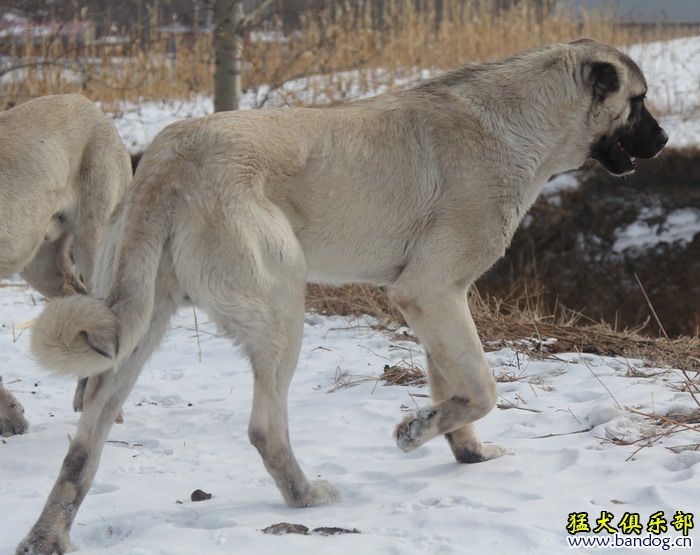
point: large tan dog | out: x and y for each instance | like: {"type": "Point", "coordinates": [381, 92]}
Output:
{"type": "Point", "coordinates": [63, 169]}
{"type": "Point", "coordinates": [419, 191]}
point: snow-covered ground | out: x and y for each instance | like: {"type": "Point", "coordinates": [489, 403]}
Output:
{"type": "Point", "coordinates": [185, 428]}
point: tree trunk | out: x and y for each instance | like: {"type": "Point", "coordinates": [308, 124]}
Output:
{"type": "Point", "coordinates": [228, 49]}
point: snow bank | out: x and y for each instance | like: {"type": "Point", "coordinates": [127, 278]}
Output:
{"type": "Point", "coordinates": [651, 228]}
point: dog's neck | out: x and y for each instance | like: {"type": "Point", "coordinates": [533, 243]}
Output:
{"type": "Point", "coordinates": [533, 102]}
{"type": "Point", "coordinates": [535, 105]}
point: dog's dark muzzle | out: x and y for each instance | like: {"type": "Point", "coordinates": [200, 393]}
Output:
{"type": "Point", "coordinates": [618, 153]}
{"type": "Point", "coordinates": [645, 145]}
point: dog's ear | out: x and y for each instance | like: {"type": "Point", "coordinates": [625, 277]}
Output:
{"type": "Point", "coordinates": [602, 79]}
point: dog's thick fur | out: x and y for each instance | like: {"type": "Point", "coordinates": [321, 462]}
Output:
{"type": "Point", "coordinates": [419, 191]}
{"type": "Point", "coordinates": [63, 169]}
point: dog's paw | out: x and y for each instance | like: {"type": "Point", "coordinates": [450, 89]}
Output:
{"type": "Point", "coordinates": [486, 452]}
{"type": "Point", "coordinates": [493, 451]}
{"type": "Point", "coordinates": [39, 545]}
{"type": "Point", "coordinates": [319, 492]}
{"type": "Point", "coordinates": [415, 430]}
{"type": "Point", "coordinates": [322, 493]}
{"type": "Point", "coordinates": [12, 420]}
{"type": "Point", "coordinates": [13, 426]}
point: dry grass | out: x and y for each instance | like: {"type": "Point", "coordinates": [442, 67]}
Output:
{"type": "Point", "coordinates": [506, 323]}
{"type": "Point", "coordinates": [329, 41]}
{"type": "Point", "coordinates": [661, 428]}
{"type": "Point", "coordinates": [404, 373]}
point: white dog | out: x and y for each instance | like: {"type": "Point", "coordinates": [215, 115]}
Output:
{"type": "Point", "coordinates": [63, 169]}
{"type": "Point", "coordinates": [419, 191]}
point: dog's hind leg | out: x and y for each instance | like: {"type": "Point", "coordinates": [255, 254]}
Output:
{"type": "Point", "coordinates": [461, 382]}
{"type": "Point", "coordinates": [255, 286]}
{"type": "Point", "coordinates": [104, 178]}
{"type": "Point", "coordinates": [274, 357]}
{"type": "Point", "coordinates": [273, 366]}
{"type": "Point", "coordinates": [104, 396]}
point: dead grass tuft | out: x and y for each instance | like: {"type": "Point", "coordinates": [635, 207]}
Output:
{"type": "Point", "coordinates": [506, 323]}
{"type": "Point", "coordinates": [404, 373]}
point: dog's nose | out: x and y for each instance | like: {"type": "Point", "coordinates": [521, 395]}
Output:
{"type": "Point", "coordinates": [663, 137]}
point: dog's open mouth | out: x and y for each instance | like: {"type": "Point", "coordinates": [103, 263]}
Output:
{"type": "Point", "coordinates": [618, 152]}
{"type": "Point", "coordinates": [623, 153]}
{"type": "Point", "coordinates": [611, 153]}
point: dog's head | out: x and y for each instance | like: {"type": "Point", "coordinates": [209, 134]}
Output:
{"type": "Point", "coordinates": [622, 128]}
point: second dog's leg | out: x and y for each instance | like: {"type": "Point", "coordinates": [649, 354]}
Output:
{"type": "Point", "coordinates": [50, 272]}
{"type": "Point", "coordinates": [12, 419]}
{"type": "Point", "coordinates": [79, 394]}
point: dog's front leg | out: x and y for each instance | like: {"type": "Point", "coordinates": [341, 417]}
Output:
{"type": "Point", "coordinates": [461, 382]}
{"type": "Point", "coordinates": [464, 441]}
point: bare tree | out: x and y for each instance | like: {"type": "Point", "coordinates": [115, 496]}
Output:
{"type": "Point", "coordinates": [228, 50]}
{"type": "Point", "coordinates": [230, 26]}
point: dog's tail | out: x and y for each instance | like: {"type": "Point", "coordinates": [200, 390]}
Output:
{"type": "Point", "coordinates": [76, 335]}
{"type": "Point", "coordinates": [85, 335]}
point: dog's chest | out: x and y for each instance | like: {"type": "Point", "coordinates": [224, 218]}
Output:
{"type": "Point", "coordinates": [515, 205]}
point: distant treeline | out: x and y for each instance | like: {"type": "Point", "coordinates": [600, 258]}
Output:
{"type": "Point", "coordinates": [108, 15]}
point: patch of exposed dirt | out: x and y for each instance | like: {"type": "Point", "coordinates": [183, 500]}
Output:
{"type": "Point", "coordinates": [570, 251]}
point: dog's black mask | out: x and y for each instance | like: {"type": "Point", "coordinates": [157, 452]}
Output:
{"type": "Point", "coordinates": [642, 137]}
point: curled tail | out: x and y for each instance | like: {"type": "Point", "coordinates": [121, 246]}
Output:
{"type": "Point", "coordinates": [82, 335]}
{"type": "Point", "coordinates": [76, 335]}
